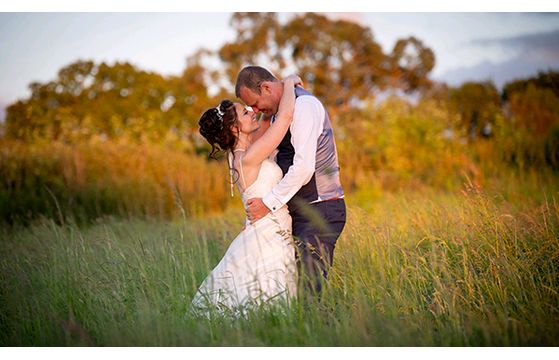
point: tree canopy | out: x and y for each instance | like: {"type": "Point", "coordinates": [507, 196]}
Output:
{"type": "Point", "coordinates": [340, 62]}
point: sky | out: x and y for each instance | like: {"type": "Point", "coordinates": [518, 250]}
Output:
{"type": "Point", "coordinates": [467, 46]}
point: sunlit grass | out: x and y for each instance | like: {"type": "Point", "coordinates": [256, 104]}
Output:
{"type": "Point", "coordinates": [88, 180]}
{"type": "Point", "coordinates": [447, 242]}
{"type": "Point", "coordinates": [473, 267]}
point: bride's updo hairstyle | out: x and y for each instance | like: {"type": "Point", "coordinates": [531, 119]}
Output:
{"type": "Point", "coordinates": [215, 126]}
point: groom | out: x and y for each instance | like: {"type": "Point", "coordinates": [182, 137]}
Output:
{"type": "Point", "coordinates": [311, 184]}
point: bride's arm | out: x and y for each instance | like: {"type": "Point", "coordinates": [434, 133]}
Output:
{"type": "Point", "coordinates": [269, 141]}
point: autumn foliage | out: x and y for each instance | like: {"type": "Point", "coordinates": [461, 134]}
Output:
{"type": "Point", "coordinates": [114, 139]}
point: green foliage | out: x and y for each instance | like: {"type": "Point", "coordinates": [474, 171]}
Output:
{"type": "Point", "coordinates": [477, 104]}
{"type": "Point", "coordinates": [113, 102]}
{"type": "Point", "coordinates": [396, 145]}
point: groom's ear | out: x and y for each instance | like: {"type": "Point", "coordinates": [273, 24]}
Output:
{"type": "Point", "coordinates": [265, 87]}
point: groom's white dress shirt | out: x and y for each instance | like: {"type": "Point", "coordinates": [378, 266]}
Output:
{"type": "Point", "coordinates": [306, 127]}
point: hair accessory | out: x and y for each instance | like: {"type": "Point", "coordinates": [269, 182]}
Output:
{"type": "Point", "coordinates": [219, 112]}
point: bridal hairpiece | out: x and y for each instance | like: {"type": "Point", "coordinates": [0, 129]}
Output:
{"type": "Point", "coordinates": [219, 112]}
{"type": "Point", "coordinates": [230, 160]}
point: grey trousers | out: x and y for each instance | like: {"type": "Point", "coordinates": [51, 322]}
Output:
{"type": "Point", "coordinates": [316, 228]}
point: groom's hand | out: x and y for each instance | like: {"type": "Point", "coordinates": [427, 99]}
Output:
{"type": "Point", "coordinates": [256, 209]}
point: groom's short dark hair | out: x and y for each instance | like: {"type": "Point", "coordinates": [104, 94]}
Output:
{"type": "Point", "coordinates": [251, 77]}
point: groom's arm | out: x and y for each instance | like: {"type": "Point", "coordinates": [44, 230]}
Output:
{"type": "Point", "coordinates": [308, 122]}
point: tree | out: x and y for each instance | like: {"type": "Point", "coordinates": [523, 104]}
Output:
{"type": "Point", "coordinates": [544, 80]}
{"type": "Point", "coordinates": [533, 103]}
{"type": "Point", "coordinates": [477, 103]}
{"type": "Point", "coordinates": [340, 61]}
{"type": "Point", "coordinates": [190, 96]}
{"type": "Point", "coordinates": [110, 101]}
{"type": "Point", "coordinates": [411, 63]}
{"type": "Point", "coordinates": [535, 109]}
{"type": "Point", "coordinates": [255, 43]}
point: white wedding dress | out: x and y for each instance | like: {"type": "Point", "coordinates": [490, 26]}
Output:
{"type": "Point", "coordinates": [259, 266]}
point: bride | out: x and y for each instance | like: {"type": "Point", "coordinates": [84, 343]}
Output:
{"type": "Point", "coordinates": [259, 266]}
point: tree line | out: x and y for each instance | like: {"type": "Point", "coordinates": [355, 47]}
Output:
{"type": "Point", "coordinates": [340, 62]}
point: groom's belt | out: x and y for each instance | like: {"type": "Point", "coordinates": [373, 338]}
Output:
{"type": "Point", "coordinates": [331, 199]}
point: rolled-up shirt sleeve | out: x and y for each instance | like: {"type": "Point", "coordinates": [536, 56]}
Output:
{"type": "Point", "coordinates": [307, 125]}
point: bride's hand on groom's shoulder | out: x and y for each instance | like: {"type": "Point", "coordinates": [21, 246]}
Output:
{"type": "Point", "coordinates": [297, 81]}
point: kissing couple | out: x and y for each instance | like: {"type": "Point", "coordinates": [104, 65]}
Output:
{"type": "Point", "coordinates": [286, 169]}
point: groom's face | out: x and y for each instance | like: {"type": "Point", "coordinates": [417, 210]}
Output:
{"type": "Point", "coordinates": [264, 102]}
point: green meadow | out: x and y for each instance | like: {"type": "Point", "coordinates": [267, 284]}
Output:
{"type": "Point", "coordinates": [475, 267]}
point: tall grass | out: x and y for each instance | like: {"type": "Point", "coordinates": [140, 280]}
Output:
{"type": "Point", "coordinates": [473, 267]}
{"type": "Point", "coordinates": [89, 180]}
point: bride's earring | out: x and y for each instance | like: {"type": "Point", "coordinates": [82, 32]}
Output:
{"type": "Point", "coordinates": [230, 163]}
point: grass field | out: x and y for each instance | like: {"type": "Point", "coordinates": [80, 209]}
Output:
{"type": "Point", "coordinates": [472, 267]}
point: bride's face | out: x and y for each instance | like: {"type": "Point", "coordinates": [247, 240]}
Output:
{"type": "Point", "coordinates": [246, 119]}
